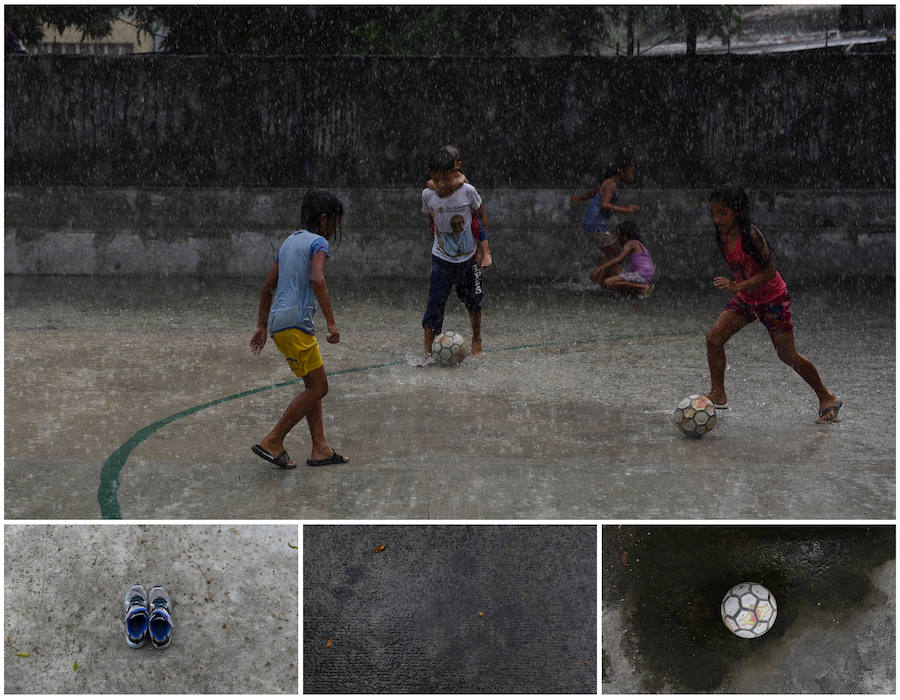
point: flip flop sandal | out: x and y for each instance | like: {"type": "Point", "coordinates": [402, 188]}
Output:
{"type": "Point", "coordinates": [835, 408]}
{"type": "Point", "coordinates": [282, 461]}
{"type": "Point", "coordinates": [334, 459]}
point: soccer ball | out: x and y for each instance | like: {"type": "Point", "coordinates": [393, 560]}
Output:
{"type": "Point", "coordinates": [749, 610]}
{"type": "Point", "coordinates": [448, 349]}
{"type": "Point", "coordinates": [695, 416]}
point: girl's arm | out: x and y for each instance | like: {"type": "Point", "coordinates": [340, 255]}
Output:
{"type": "Point", "coordinates": [760, 278]}
{"type": "Point", "coordinates": [576, 198]}
{"type": "Point", "coordinates": [630, 247]}
{"type": "Point", "coordinates": [609, 190]}
{"type": "Point", "coordinates": [317, 282]}
{"type": "Point", "coordinates": [258, 341]}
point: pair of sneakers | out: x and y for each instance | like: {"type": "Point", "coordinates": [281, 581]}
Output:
{"type": "Point", "coordinates": [148, 616]}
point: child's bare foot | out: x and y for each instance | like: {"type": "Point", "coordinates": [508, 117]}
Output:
{"type": "Point", "coordinates": [718, 397]}
{"type": "Point", "coordinates": [425, 360]}
{"type": "Point", "coordinates": [476, 348]}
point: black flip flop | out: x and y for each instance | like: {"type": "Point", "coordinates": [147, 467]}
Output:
{"type": "Point", "coordinates": [334, 459]}
{"type": "Point", "coordinates": [282, 461]}
{"type": "Point", "coordinates": [835, 408]}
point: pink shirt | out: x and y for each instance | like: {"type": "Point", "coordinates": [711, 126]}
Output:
{"type": "Point", "coordinates": [744, 266]}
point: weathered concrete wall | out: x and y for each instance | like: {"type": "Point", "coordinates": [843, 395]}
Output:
{"type": "Point", "coordinates": [797, 120]}
{"type": "Point", "coordinates": [534, 233]}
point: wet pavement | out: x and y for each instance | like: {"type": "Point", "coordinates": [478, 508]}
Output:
{"type": "Point", "coordinates": [835, 631]}
{"type": "Point", "coordinates": [114, 385]}
{"type": "Point", "coordinates": [449, 609]}
{"type": "Point", "coordinates": [234, 608]}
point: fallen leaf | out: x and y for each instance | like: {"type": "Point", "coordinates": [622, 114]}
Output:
{"type": "Point", "coordinates": [292, 546]}
{"type": "Point", "coordinates": [480, 614]}
{"type": "Point", "coordinates": [328, 643]}
{"type": "Point", "coordinates": [380, 548]}
{"type": "Point", "coordinates": [23, 653]}
{"type": "Point", "coordinates": [75, 666]}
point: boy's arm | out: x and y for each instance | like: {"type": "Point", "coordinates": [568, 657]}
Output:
{"type": "Point", "coordinates": [258, 341]}
{"type": "Point", "coordinates": [457, 183]}
{"type": "Point", "coordinates": [483, 253]}
{"type": "Point", "coordinates": [320, 289]}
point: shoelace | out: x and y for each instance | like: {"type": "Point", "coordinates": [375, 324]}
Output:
{"type": "Point", "coordinates": [160, 602]}
{"type": "Point", "coordinates": [137, 600]}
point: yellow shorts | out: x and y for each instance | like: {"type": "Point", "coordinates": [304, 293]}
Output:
{"type": "Point", "coordinates": [301, 350]}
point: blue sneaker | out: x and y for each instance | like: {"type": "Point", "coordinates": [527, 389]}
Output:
{"type": "Point", "coordinates": [160, 626]}
{"type": "Point", "coordinates": [137, 616]}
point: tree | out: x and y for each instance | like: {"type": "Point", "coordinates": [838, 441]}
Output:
{"type": "Point", "coordinates": [715, 20]}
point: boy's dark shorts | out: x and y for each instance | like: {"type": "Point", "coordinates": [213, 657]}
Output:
{"type": "Point", "coordinates": [465, 276]}
{"type": "Point", "coordinates": [775, 315]}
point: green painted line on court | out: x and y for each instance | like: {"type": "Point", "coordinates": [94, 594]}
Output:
{"type": "Point", "coordinates": [108, 492]}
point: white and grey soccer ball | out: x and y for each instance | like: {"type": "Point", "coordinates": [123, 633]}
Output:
{"type": "Point", "coordinates": [448, 349]}
{"type": "Point", "coordinates": [695, 416]}
{"type": "Point", "coordinates": [749, 610]}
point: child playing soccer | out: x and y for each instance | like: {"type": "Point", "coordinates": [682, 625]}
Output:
{"type": "Point", "coordinates": [483, 253]}
{"type": "Point", "coordinates": [759, 293]}
{"type": "Point", "coordinates": [287, 305]}
{"type": "Point", "coordinates": [603, 204]}
{"type": "Point", "coordinates": [640, 271]}
{"type": "Point", "coordinates": [453, 250]}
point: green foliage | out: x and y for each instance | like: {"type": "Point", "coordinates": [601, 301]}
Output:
{"type": "Point", "coordinates": [433, 30]}
{"type": "Point", "coordinates": [94, 22]}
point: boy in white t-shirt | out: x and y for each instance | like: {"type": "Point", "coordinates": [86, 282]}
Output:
{"type": "Point", "coordinates": [453, 253]}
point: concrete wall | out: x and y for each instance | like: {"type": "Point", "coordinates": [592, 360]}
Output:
{"type": "Point", "coordinates": [534, 233]}
{"type": "Point", "coordinates": [196, 165]}
{"type": "Point", "coordinates": [801, 120]}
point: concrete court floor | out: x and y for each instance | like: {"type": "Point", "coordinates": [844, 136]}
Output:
{"type": "Point", "coordinates": [112, 384]}
{"type": "Point", "coordinates": [235, 608]}
{"type": "Point", "coordinates": [449, 609]}
{"type": "Point", "coordinates": [836, 593]}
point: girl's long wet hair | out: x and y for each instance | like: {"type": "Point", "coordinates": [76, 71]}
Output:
{"type": "Point", "coordinates": [628, 230]}
{"type": "Point", "coordinates": [315, 203]}
{"type": "Point", "coordinates": [620, 163]}
{"type": "Point", "coordinates": [736, 199]}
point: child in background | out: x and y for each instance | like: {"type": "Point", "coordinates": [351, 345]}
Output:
{"type": "Point", "coordinates": [450, 207]}
{"type": "Point", "coordinates": [603, 204]}
{"type": "Point", "coordinates": [759, 293]}
{"type": "Point", "coordinates": [287, 304]}
{"type": "Point", "coordinates": [479, 230]}
{"type": "Point", "coordinates": [640, 270]}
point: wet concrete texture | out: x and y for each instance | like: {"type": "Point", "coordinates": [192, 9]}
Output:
{"type": "Point", "coordinates": [449, 609]}
{"type": "Point", "coordinates": [112, 384]}
{"type": "Point", "coordinates": [235, 608]}
{"type": "Point", "coordinates": [835, 630]}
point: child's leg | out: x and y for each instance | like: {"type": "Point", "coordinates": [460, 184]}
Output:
{"type": "Point", "coordinates": [619, 284]}
{"type": "Point", "coordinates": [441, 283]}
{"type": "Point", "coordinates": [429, 341]}
{"type": "Point", "coordinates": [470, 290]}
{"type": "Point", "coordinates": [727, 324]}
{"type": "Point", "coordinates": [783, 340]}
{"type": "Point", "coordinates": [476, 334]}
{"type": "Point", "coordinates": [308, 403]}
{"type": "Point", "coordinates": [599, 276]}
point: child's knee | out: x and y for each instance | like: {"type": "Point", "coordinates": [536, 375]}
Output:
{"type": "Point", "coordinates": [713, 339]}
